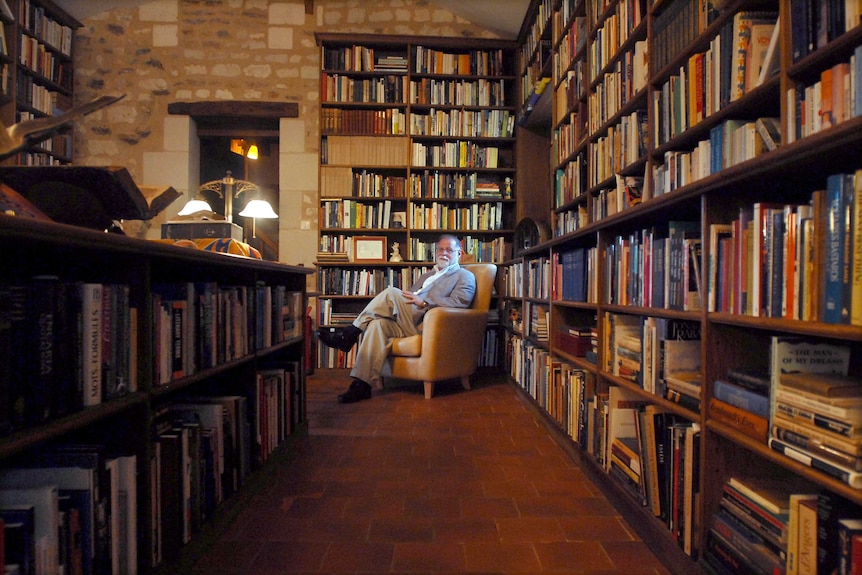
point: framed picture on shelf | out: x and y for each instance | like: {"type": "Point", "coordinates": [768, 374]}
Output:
{"type": "Point", "coordinates": [369, 249]}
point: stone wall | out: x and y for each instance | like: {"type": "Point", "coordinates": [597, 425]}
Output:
{"type": "Point", "coordinates": [167, 51]}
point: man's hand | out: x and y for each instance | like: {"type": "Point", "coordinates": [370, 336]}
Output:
{"type": "Point", "coordinates": [412, 298]}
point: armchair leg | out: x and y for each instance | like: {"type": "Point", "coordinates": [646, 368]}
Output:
{"type": "Point", "coordinates": [429, 389]}
{"type": "Point", "coordinates": [465, 381]}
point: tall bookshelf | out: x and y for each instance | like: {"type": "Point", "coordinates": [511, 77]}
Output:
{"type": "Point", "coordinates": [37, 73]}
{"type": "Point", "coordinates": [657, 165]}
{"type": "Point", "coordinates": [193, 328]}
{"type": "Point", "coordinates": [417, 140]}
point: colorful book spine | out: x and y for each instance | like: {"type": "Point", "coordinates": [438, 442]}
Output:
{"type": "Point", "coordinates": [741, 397]}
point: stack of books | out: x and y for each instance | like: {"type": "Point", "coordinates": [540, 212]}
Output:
{"type": "Point", "coordinates": [750, 531]}
{"type": "Point", "coordinates": [741, 400]}
{"type": "Point", "coordinates": [818, 417]}
{"type": "Point", "coordinates": [332, 257]}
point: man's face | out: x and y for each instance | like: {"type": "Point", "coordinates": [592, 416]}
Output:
{"type": "Point", "coordinates": [447, 253]}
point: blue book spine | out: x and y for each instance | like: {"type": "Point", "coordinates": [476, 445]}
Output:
{"type": "Point", "coordinates": [741, 397]}
{"type": "Point", "coordinates": [833, 292]}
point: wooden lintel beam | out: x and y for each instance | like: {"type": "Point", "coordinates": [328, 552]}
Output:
{"type": "Point", "coordinates": [248, 109]}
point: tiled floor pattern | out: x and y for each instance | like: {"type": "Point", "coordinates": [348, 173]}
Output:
{"type": "Point", "coordinates": [467, 482]}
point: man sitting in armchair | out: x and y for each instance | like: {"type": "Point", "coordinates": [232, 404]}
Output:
{"type": "Point", "coordinates": [397, 313]}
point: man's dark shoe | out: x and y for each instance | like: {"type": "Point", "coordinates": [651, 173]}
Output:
{"type": "Point", "coordinates": [343, 339]}
{"type": "Point", "coordinates": [357, 391]}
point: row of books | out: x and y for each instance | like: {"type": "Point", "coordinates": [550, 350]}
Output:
{"type": "Point", "coordinates": [463, 123]}
{"type": "Point", "coordinates": [729, 143]}
{"type": "Point", "coordinates": [559, 387]}
{"type": "Point", "coordinates": [795, 261]}
{"type": "Point", "coordinates": [481, 249]}
{"type": "Point", "coordinates": [459, 154]}
{"type": "Point", "coordinates": [571, 45]}
{"type": "Point", "coordinates": [539, 320]}
{"type": "Point", "coordinates": [70, 508]}
{"type": "Point", "coordinates": [29, 92]}
{"type": "Point", "coordinates": [778, 524]}
{"type": "Point", "coordinates": [38, 58]}
{"type": "Point", "coordinates": [675, 27]}
{"type": "Point", "coordinates": [567, 99]}
{"type": "Point", "coordinates": [709, 81]}
{"type": "Point", "coordinates": [565, 142]}
{"type": "Point", "coordinates": [623, 144]}
{"type": "Point", "coordinates": [200, 325]}
{"type": "Point", "coordinates": [387, 89]}
{"type": "Point", "coordinates": [612, 199]}
{"type": "Point", "coordinates": [655, 456]}
{"type": "Point", "coordinates": [206, 446]}
{"type": "Point", "coordinates": [654, 267]}
{"type": "Point", "coordinates": [619, 86]}
{"type": "Point", "coordinates": [814, 24]}
{"type": "Point", "coordinates": [64, 345]}
{"type": "Point", "coordinates": [359, 58]}
{"type": "Point", "coordinates": [33, 18]}
{"type": "Point", "coordinates": [475, 216]}
{"type": "Point", "coordinates": [833, 98]}
{"type": "Point", "coordinates": [469, 186]}
{"type": "Point", "coordinates": [574, 273]}
{"type": "Point", "coordinates": [362, 281]}
{"type": "Point", "coordinates": [661, 355]}
{"type": "Point", "coordinates": [612, 33]}
{"type": "Point", "coordinates": [570, 220]}
{"type": "Point", "coordinates": [363, 151]}
{"type": "Point", "coordinates": [343, 121]}
{"type": "Point", "coordinates": [355, 214]}
{"type": "Point", "coordinates": [445, 92]}
{"type": "Point", "coordinates": [538, 278]}
{"type": "Point", "coordinates": [470, 63]}
{"type": "Point", "coordinates": [570, 181]}
{"type": "Point", "coordinates": [343, 181]}
{"type": "Point", "coordinates": [513, 280]}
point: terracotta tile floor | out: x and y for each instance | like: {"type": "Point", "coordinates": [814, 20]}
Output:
{"type": "Point", "coordinates": [468, 482]}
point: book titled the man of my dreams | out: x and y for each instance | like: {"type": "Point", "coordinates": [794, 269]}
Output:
{"type": "Point", "coordinates": [801, 400]}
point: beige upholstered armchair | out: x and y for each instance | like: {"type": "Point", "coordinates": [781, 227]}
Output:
{"type": "Point", "coordinates": [451, 339]}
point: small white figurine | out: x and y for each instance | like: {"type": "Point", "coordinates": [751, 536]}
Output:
{"type": "Point", "coordinates": [396, 254]}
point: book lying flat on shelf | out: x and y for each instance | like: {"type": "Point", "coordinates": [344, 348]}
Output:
{"type": "Point", "coordinates": [849, 476]}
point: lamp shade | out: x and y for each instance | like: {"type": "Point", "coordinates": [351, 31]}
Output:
{"type": "Point", "coordinates": [258, 209]}
{"type": "Point", "coordinates": [252, 153]}
{"type": "Point", "coordinates": [194, 206]}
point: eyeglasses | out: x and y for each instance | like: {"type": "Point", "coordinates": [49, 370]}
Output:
{"type": "Point", "coordinates": [447, 250]}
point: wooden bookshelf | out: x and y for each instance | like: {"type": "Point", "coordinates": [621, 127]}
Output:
{"type": "Point", "coordinates": [220, 354]}
{"type": "Point", "coordinates": [417, 140]}
{"type": "Point", "coordinates": [630, 157]}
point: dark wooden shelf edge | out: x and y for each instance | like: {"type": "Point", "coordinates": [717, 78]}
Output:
{"type": "Point", "coordinates": [655, 536]}
{"type": "Point", "coordinates": [27, 438]}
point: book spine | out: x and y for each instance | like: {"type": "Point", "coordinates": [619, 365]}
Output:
{"type": "Point", "coordinates": [806, 416]}
{"type": "Point", "coordinates": [846, 414]}
{"type": "Point", "coordinates": [834, 237]}
{"type": "Point", "coordinates": [848, 476]}
{"type": "Point", "coordinates": [741, 397]}
{"type": "Point", "coordinates": [91, 343]}
{"type": "Point", "coordinates": [746, 422]}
